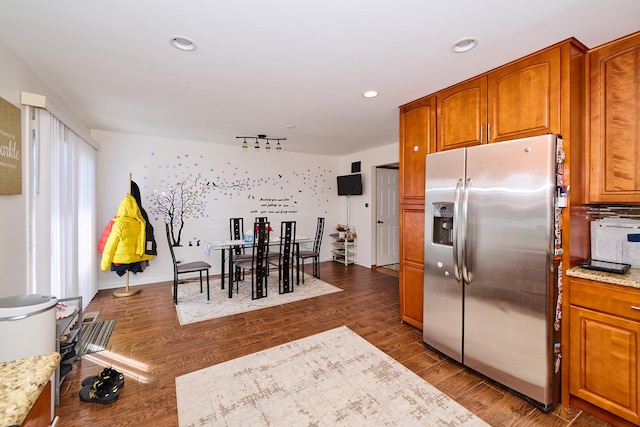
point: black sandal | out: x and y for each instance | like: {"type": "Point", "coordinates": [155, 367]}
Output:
{"type": "Point", "coordinates": [100, 392]}
{"type": "Point", "coordinates": [109, 375]}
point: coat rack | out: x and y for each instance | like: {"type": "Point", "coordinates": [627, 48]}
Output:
{"type": "Point", "coordinates": [126, 292]}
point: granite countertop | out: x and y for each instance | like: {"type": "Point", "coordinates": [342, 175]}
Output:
{"type": "Point", "coordinates": [630, 278]}
{"type": "Point", "coordinates": [22, 382]}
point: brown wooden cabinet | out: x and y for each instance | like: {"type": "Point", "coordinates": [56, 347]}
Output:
{"type": "Point", "coordinates": [517, 100]}
{"type": "Point", "coordinates": [614, 154]}
{"type": "Point", "coordinates": [40, 413]}
{"type": "Point", "coordinates": [417, 138]}
{"type": "Point", "coordinates": [412, 264]}
{"type": "Point", "coordinates": [524, 97]}
{"type": "Point", "coordinates": [603, 349]}
{"type": "Point", "coordinates": [462, 115]}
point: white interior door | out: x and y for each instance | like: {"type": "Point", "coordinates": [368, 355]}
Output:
{"type": "Point", "coordinates": [387, 217]}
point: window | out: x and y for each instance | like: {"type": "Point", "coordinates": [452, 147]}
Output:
{"type": "Point", "coordinates": [62, 197]}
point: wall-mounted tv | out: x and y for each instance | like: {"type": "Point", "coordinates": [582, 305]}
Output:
{"type": "Point", "coordinates": [350, 185]}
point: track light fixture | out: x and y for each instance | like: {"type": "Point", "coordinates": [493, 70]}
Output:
{"type": "Point", "coordinates": [259, 138]}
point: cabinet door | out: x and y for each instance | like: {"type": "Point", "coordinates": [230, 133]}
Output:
{"type": "Point", "coordinates": [614, 154]}
{"type": "Point", "coordinates": [40, 413]}
{"type": "Point", "coordinates": [524, 97]}
{"type": "Point", "coordinates": [462, 115]}
{"type": "Point", "coordinates": [417, 138]}
{"type": "Point", "coordinates": [411, 265]}
{"type": "Point", "coordinates": [603, 361]}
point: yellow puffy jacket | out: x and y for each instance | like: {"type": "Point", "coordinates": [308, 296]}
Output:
{"type": "Point", "coordinates": [126, 242]}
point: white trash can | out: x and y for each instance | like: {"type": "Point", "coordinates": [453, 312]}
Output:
{"type": "Point", "coordinates": [27, 326]}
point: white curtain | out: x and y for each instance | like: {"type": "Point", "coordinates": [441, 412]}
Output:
{"type": "Point", "coordinates": [65, 203]}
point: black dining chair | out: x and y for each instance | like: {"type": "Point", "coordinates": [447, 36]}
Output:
{"type": "Point", "coordinates": [262, 219]}
{"type": "Point", "coordinates": [258, 265]}
{"type": "Point", "coordinates": [314, 253]}
{"type": "Point", "coordinates": [284, 259]}
{"type": "Point", "coordinates": [236, 232]}
{"type": "Point", "coordinates": [185, 267]}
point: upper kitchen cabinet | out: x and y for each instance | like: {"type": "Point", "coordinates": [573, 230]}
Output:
{"type": "Point", "coordinates": [462, 114]}
{"type": "Point", "coordinates": [524, 97]}
{"type": "Point", "coordinates": [517, 100]}
{"type": "Point", "coordinates": [417, 138]}
{"type": "Point", "coordinates": [614, 152]}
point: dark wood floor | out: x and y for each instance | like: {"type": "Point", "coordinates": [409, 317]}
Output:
{"type": "Point", "coordinates": [152, 349]}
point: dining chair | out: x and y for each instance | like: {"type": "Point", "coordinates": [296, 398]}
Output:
{"type": "Point", "coordinates": [285, 257]}
{"type": "Point", "coordinates": [185, 267]}
{"type": "Point", "coordinates": [236, 232]}
{"type": "Point", "coordinates": [261, 219]}
{"type": "Point", "coordinates": [258, 265]}
{"type": "Point", "coordinates": [314, 253]}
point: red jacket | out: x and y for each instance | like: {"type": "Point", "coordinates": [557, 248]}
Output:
{"type": "Point", "coordinates": [105, 235]}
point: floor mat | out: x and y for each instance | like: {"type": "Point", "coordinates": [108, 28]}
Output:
{"type": "Point", "coordinates": [95, 336]}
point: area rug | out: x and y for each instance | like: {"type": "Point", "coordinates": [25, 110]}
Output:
{"type": "Point", "coordinates": [193, 306]}
{"type": "Point", "coordinates": [335, 378]}
{"type": "Point", "coordinates": [95, 336]}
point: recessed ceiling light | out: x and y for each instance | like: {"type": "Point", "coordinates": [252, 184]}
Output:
{"type": "Point", "coordinates": [464, 45]}
{"type": "Point", "coordinates": [182, 43]}
{"type": "Point", "coordinates": [370, 94]}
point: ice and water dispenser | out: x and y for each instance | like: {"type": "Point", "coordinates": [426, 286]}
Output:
{"type": "Point", "coordinates": [443, 223]}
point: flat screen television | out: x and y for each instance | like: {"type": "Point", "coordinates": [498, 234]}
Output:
{"type": "Point", "coordinates": [350, 185]}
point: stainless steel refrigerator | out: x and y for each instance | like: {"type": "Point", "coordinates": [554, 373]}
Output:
{"type": "Point", "coordinates": [490, 277]}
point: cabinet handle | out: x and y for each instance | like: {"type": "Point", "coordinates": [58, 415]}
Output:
{"type": "Point", "coordinates": [481, 133]}
{"type": "Point", "coordinates": [635, 307]}
{"type": "Point", "coordinates": [488, 132]}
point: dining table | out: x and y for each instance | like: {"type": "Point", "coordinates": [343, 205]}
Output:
{"type": "Point", "coordinates": [230, 245]}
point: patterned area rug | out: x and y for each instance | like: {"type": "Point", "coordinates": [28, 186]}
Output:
{"type": "Point", "coordinates": [335, 378]}
{"type": "Point", "coordinates": [95, 336]}
{"type": "Point", "coordinates": [193, 306]}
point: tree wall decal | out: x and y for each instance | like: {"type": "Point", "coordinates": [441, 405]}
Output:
{"type": "Point", "coordinates": [186, 199]}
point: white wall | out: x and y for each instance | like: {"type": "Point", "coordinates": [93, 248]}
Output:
{"type": "Point", "coordinates": [248, 181]}
{"type": "Point", "coordinates": [16, 77]}
{"type": "Point", "coordinates": [363, 207]}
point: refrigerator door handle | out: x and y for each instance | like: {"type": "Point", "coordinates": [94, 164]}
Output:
{"type": "Point", "coordinates": [456, 221]}
{"type": "Point", "coordinates": [466, 274]}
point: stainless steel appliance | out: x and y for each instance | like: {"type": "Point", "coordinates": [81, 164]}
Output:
{"type": "Point", "coordinates": [490, 275]}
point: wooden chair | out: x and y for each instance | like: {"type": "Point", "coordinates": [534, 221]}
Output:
{"type": "Point", "coordinates": [313, 253]}
{"type": "Point", "coordinates": [258, 265]}
{"type": "Point", "coordinates": [185, 267]}
{"type": "Point", "coordinates": [284, 259]}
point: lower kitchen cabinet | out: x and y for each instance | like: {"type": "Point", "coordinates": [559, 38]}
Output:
{"type": "Point", "coordinates": [603, 347]}
{"type": "Point", "coordinates": [40, 413]}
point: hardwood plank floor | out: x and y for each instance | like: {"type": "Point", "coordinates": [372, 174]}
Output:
{"type": "Point", "coordinates": [152, 349]}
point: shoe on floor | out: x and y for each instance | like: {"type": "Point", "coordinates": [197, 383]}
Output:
{"type": "Point", "coordinates": [107, 374]}
{"type": "Point", "coordinates": [100, 392]}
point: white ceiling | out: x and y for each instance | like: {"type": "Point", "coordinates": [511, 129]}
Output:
{"type": "Point", "coordinates": [262, 65]}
